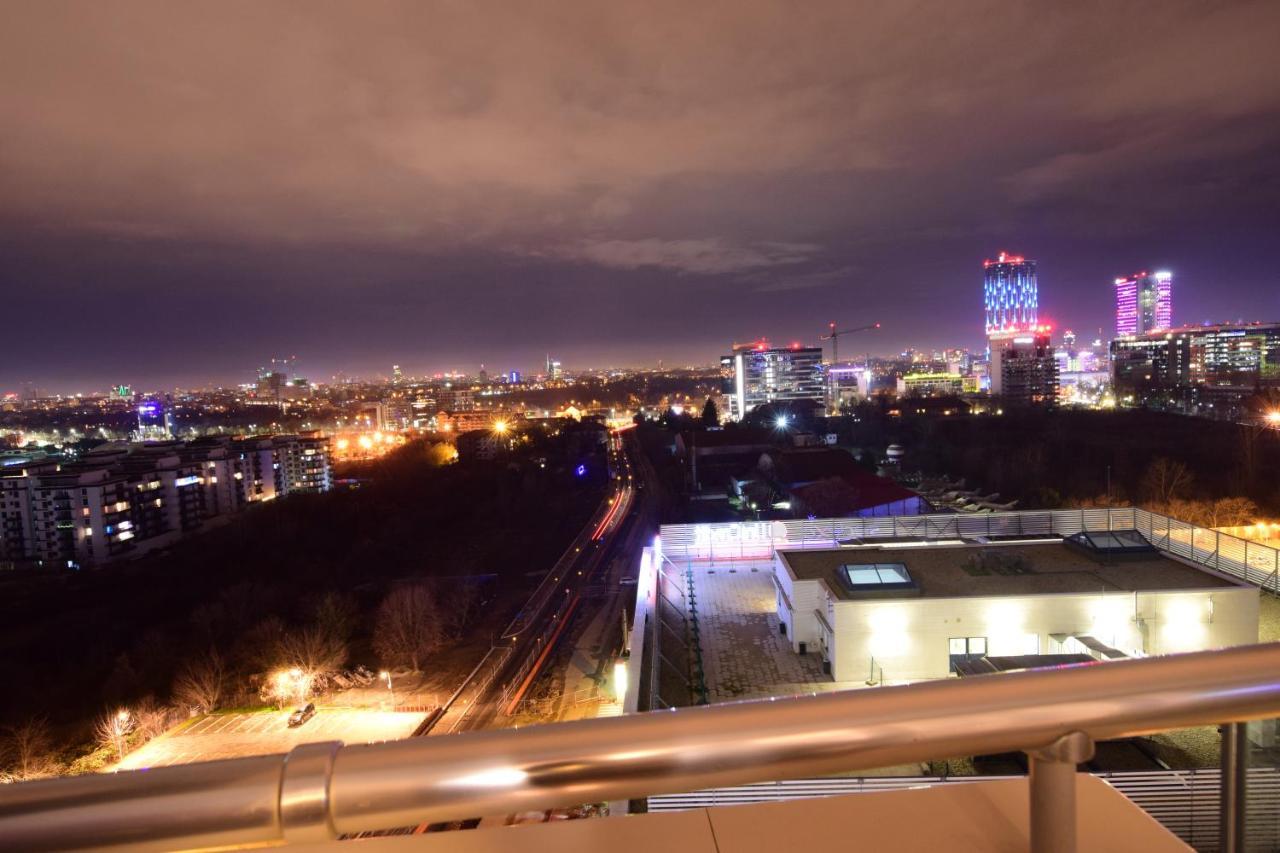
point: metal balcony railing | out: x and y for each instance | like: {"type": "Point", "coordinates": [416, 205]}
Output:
{"type": "Point", "coordinates": [319, 791]}
{"type": "Point", "coordinates": [1254, 562]}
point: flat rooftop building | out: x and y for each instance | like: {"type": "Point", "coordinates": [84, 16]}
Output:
{"type": "Point", "coordinates": [889, 613]}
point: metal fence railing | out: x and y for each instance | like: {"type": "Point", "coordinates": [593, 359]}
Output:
{"type": "Point", "coordinates": [321, 791]}
{"type": "Point", "coordinates": [1254, 562]}
{"type": "Point", "coordinates": [1186, 802]}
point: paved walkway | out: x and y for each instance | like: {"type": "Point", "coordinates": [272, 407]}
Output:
{"type": "Point", "coordinates": [744, 654]}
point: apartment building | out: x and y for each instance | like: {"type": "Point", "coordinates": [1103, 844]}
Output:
{"type": "Point", "coordinates": [122, 500]}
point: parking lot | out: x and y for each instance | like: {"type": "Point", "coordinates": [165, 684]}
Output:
{"type": "Point", "coordinates": [217, 736]}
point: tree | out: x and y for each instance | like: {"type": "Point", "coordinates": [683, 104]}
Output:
{"type": "Point", "coordinates": [336, 615]}
{"type": "Point", "coordinates": [315, 651]}
{"type": "Point", "coordinates": [441, 453]}
{"type": "Point", "coordinates": [27, 751]}
{"type": "Point", "coordinates": [1166, 480]}
{"type": "Point", "coordinates": [258, 646]}
{"type": "Point", "coordinates": [111, 729]}
{"type": "Point", "coordinates": [1233, 512]}
{"type": "Point", "coordinates": [1223, 512]}
{"type": "Point", "coordinates": [710, 414]}
{"type": "Point", "coordinates": [409, 626]}
{"type": "Point", "coordinates": [201, 683]}
{"type": "Point", "coordinates": [457, 602]}
{"type": "Point", "coordinates": [150, 718]}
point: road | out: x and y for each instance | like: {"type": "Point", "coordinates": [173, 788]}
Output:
{"type": "Point", "coordinates": [504, 677]}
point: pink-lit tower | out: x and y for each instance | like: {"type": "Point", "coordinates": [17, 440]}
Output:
{"type": "Point", "coordinates": [1144, 303]}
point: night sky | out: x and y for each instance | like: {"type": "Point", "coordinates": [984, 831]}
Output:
{"type": "Point", "coordinates": [189, 189]}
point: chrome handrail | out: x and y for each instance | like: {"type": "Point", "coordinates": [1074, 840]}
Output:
{"type": "Point", "coordinates": [321, 790]}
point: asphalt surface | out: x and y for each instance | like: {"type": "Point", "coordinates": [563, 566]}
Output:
{"type": "Point", "coordinates": [216, 736]}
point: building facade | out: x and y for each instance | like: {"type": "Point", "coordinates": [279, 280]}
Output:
{"type": "Point", "coordinates": [1024, 369]}
{"type": "Point", "coordinates": [886, 615]}
{"type": "Point", "coordinates": [1010, 294]}
{"type": "Point", "coordinates": [122, 500]}
{"type": "Point", "coordinates": [934, 384]}
{"type": "Point", "coordinates": [1197, 365]}
{"type": "Point", "coordinates": [762, 374]}
{"type": "Point", "coordinates": [1144, 303]}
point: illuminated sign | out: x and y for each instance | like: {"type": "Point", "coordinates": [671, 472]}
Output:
{"type": "Point", "coordinates": [186, 481]}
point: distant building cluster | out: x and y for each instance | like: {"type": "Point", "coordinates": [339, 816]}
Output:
{"type": "Point", "coordinates": [121, 500]}
{"type": "Point", "coordinates": [1197, 366]}
{"type": "Point", "coordinates": [1205, 370]}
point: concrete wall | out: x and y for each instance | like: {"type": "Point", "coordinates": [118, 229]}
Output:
{"type": "Point", "coordinates": [909, 637]}
{"type": "Point", "coordinates": [805, 597]}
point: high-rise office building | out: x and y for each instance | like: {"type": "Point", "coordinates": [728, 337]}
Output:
{"type": "Point", "coordinates": [1024, 370]}
{"type": "Point", "coordinates": [763, 374]}
{"type": "Point", "coordinates": [1221, 365]}
{"type": "Point", "coordinates": [1144, 303]}
{"type": "Point", "coordinates": [1010, 294]}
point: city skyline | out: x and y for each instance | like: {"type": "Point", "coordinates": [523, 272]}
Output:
{"type": "Point", "coordinates": [184, 199]}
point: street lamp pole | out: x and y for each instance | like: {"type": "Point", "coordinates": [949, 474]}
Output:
{"type": "Point", "coordinates": [118, 726]}
{"type": "Point", "coordinates": [387, 675]}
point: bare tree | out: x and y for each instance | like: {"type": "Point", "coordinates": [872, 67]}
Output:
{"type": "Point", "coordinates": [1166, 480]}
{"type": "Point", "coordinates": [1223, 512]}
{"type": "Point", "coordinates": [27, 751]}
{"type": "Point", "coordinates": [111, 730]}
{"type": "Point", "coordinates": [201, 683]}
{"type": "Point", "coordinates": [150, 718]}
{"type": "Point", "coordinates": [1230, 512]}
{"type": "Point", "coordinates": [409, 626]}
{"type": "Point", "coordinates": [336, 615]}
{"type": "Point", "coordinates": [317, 652]}
{"type": "Point", "coordinates": [259, 646]}
{"type": "Point", "coordinates": [458, 602]}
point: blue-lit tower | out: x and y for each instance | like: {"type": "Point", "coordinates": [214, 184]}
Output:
{"type": "Point", "coordinates": [1010, 294]}
{"type": "Point", "coordinates": [155, 421]}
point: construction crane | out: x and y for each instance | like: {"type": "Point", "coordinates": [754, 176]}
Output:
{"type": "Point", "coordinates": [834, 337]}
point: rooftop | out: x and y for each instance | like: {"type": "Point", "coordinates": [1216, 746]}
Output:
{"type": "Point", "coordinates": [1040, 568]}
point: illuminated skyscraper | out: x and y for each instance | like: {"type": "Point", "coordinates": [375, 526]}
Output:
{"type": "Point", "coordinates": [1010, 294]}
{"type": "Point", "coordinates": [766, 374]}
{"type": "Point", "coordinates": [1144, 303]}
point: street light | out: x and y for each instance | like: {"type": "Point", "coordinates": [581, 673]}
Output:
{"type": "Point", "coordinates": [120, 725]}
{"type": "Point", "coordinates": [387, 675]}
{"type": "Point", "coordinates": [1273, 417]}
{"type": "Point", "coordinates": [292, 683]}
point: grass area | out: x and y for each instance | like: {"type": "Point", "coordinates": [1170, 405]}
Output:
{"type": "Point", "coordinates": [244, 709]}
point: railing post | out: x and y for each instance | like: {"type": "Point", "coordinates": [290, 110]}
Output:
{"type": "Point", "coordinates": [1235, 770]}
{"type": "Point", "coordinates": [1053, 792]}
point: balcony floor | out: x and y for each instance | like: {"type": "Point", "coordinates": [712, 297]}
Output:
{"type": "Point", "coordinates": [970, 818]}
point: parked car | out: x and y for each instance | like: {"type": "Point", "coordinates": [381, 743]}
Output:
{"type": "Point", "coordinates": [301, 715]}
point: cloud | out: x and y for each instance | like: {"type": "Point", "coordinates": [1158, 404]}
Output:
{"type": "Point", "coordinates": [770, 283]}
{"type": "Point", "coordinates": [470, 124]}
{"type": "Point", "coordinates": [702, 257]}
